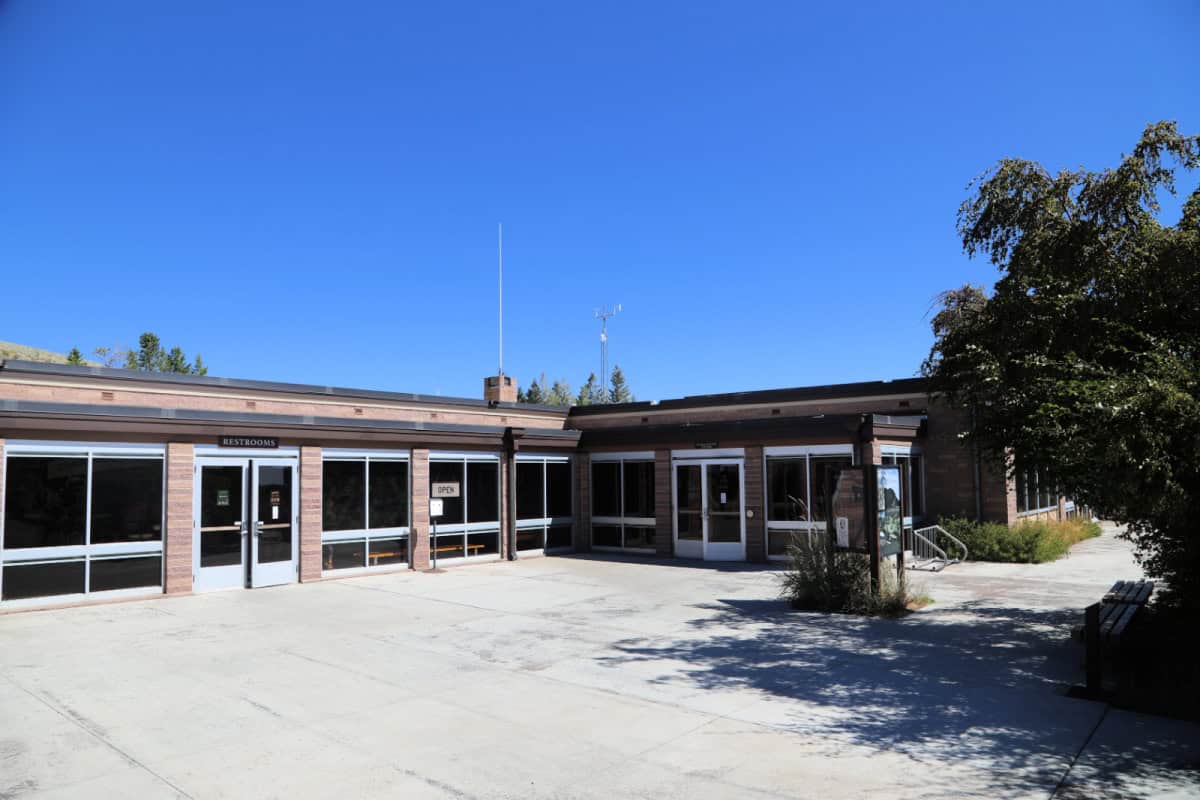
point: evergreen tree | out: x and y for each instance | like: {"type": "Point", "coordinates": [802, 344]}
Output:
{"type": "Point", "coordinates": [589, 393]}
{"type": "Point", "coordinates": [619, 393]}
{"type": "Point", "coordinates": [560, 393]}
{"type": "Point", "coordinates": [151, 357]}
{"type": "Point", "coordinates": [535, 394]}
{"type": "Point", "coordinates": [75, 357]}
{"type": "Point", "coordinates": [198, 367]}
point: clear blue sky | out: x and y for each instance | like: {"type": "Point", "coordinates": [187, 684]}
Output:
{"type": "Point", "coordinates": [309, 191]}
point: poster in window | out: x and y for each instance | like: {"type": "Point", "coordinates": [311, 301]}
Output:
{"type": "Point", "coordinates": [891, 518]}
{"type": "Point", "coordinates": [847, 509]}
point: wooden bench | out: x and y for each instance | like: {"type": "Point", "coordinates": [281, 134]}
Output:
{"type": "Point", "coordinates": [451, 548]}
{"type": "Point", "coordinates": [1106, 624]}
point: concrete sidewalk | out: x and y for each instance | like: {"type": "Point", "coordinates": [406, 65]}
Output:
{"type": "Point", "coordinates": [578, 677]}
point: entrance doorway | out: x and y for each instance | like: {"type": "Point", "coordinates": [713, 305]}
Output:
{"type": "Point", "coordinates": [709, 521]}
{"type": "Point", "coordinates": [246, 520]}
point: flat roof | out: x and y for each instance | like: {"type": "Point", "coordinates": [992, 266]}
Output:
{"type": "Point", "coordinates": [132, 375]}
{"type": "Point", "coordinates": [832, 391]}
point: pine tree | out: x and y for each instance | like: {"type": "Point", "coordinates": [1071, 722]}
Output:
{"type": "Point", "coordinates": [619, 393]}
{"type": "Point", "coordinates": [535, 394]}
{"type": "Point", "coordinates": [75, 357]}
{"type": "Point", "coordinates": [589, 393]}
{"type": "Point", "coordinates": [560, 393]}
{"type": "Point", "coordinates": [521, 398]}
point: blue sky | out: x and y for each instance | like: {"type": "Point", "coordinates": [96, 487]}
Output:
{"type": "Point", "coordinates": [310, 191]}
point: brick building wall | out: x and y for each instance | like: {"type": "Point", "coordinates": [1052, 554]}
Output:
{"type": "Point", "coordinates": [177, 541]}
{"type": "Point", "coordinates": [419, 531]}
{"type": "Point", "coordinates": [583, 503]}
{"type": "Point", "coordinates": [664, 528]}
{"type": "Point", "coordinates": [754, 509]}
{"type": "Point", "coordinates": [310, 513]}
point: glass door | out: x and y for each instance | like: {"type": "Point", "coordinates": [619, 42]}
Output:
{"type": "Point", "coordinates": [709, 519]}
{"type": "Point", "coordinates": [246, 523]}
{"type": "Point", "coordinates": [273, 536]}
{"type": "Point", "coordinates": [222, 525]}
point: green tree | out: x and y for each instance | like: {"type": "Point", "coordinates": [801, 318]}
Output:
{"type": "Point", "coordinates": [559, 394]}
{"type": "Point", "coordinates": [112, 356]}
{"type": "Point", "coordinates": [152, 357]}
{"type": "Point", "coordinates": [535, 394]}
{"type": "Point", "coordinates": [1084, 359]}
{"type": "Point", "coordinates": [589, 393]}
{"type": "Point", "coordinates": [619, 393]}
{"type": "Point", "coordinates": [75, 357]}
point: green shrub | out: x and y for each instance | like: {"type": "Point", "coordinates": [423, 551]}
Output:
{"type": "Point", "coordinates": [820, 580]}
{"type": "Point", "coordinates": [1031, 542]}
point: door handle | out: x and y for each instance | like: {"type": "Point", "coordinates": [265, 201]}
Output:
{"type": "Point", "coordinates": [242, 527]}
{"type": "Point", "coordinates": [257, 527]}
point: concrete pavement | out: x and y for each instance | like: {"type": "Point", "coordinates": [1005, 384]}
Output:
{"type": "Point", "coordinates": [578, 677]}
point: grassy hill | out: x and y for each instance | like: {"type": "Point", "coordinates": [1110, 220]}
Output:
{"type": "Point", "coordinates": [27, 353]}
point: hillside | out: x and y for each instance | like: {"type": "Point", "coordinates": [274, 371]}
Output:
{"type": "Point", "coordinates": [26, 353]}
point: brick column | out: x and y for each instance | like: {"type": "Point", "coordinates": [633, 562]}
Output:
{"type": "Point", "coordinates": [418, 539]}
{"type": "Point", "coordinates": [505, 477]}
{"type": "Point", "coordinates": [756, 540]}
{"type": "Point", "coordinates": [664, 530]}
{"type": "Point", "coordinates": [177, 543]}
{"type": "Point", "coordinates": [311, 473]}
{"type": "Point", "coordinates": [583, 503]}
{"type": "Point", "coordinates": [1, 473]}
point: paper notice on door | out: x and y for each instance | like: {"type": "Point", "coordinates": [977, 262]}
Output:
{"type": "Point", "coordinates": [843, 531]}
{"type": "Point", "coordinates": [723, 500]}
{"type": "Point", "coordinates": [274, 512]}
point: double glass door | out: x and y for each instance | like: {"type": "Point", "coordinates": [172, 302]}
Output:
{"type": "Point", "coordinates": [245, 523]}
{"type": "Point", "coordinates": [709, 520]}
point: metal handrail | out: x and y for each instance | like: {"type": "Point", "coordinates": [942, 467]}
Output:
{"type": "Point", "coordinates": [927, 552]}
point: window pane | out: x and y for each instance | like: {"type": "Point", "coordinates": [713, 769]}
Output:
{"type": "Point", "coordinates": [530, 490]}
{"type": "Point", "coordinates": [344, 555]}
{"type": "Point", "coordinates": [483, 543]}
{"type": "Point", "coordinates": [688, 503]}
{"type": "Point", "coordinates": [606, 489]}
{"type": "Point", "coordinates": [343, 495]}
{"type": "Point", "coordinates": [639, 488]}
{"type": "Point", "coordinates": [559, 536]}
{"type": "Point", "coordinates": [606, 535]}
{"type": "Point", "coordinates": [125, 573]}
{"type": "Point", "coordinates": [388, 551]}
{"type": "Point", "coordinates": [274, 513]}
{"type": "Point", "coordinates": [558, 489]}
{"type": "Point", "coordinates": [389, 494]}
{"type": "Point", "coordinates": [42, 580]}
{"type": "Point", "coordinates": [917, 502]}
{"type": "Point", "coordinates": [640, 537]}
{"type": "Point", "coordinates": [448, 546]}
{"type": "Point", "coordinates": [724, 503]}
{"type": "Point", "coordinates": [778, 540]}
{"type": "Point", "coordinates": [483, 485]}
{"type": "Point", "coordinates": [1022, 487]}
{"type": "Point", "coordinates": [529, 539]}
{"type": "Point", "coordinates": [823, 469]}
{"type": "Point", "coordinates": [127, 498]}
{"type": "Point", "coordinates": [45, 501]}
{"type": "Point", "coordinates": [787, 486]}
{"type": "Point", "coordinates": [448, 472]}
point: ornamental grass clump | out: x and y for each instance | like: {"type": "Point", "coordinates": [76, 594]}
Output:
{"type": "Point", "coordinates": [819, 578]}
{"type": "Point", "coordinates": [1032, 542]}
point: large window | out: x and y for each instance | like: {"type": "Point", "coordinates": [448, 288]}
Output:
{"type": "Point", "coordinates": [912, 479]}
{"type": "Point", "coordinates": [623, 501]}
{"type": "Point", "coordinates": [364, 509]}
{"type": "Point", "coordinates": [470, 523]}
{"type": "Point", "coordinates": [544, 515]}
{"type": "Point", "coordinates": [81, 518]}
{"type": "Point", "coordinates": [1035, 491]}
{"type": "Point", "coordinates": [799, 480]}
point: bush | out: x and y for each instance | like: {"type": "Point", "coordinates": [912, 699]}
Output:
{"type": "Point", "coordinates": [820, 580]}
{"type": "Point", "coordinates": [1031, 542]}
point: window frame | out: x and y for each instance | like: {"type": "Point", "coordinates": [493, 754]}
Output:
{"type": "Point", "coordinates": [366, 534]}
{"type": "Point", "coordinates": [545, 521]}
{"type": "Point", "coordinates": [86, 552]}
{"type": "Point", "coordinates": [793, 453]}
{"type": "Point", "coordinates": [622, 521]}
{"type": "Point", "coordinates": [465, 528]}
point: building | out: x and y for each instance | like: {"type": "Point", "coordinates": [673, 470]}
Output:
{"type": "Point", "coordinates": [118, 483]}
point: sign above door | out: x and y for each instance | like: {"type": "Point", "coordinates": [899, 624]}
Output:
{"type": "Point", "coordinates": [260, 442]}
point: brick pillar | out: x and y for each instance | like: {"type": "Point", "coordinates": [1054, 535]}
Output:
{"type": "Point", "coordinates": [756, 538]}
{"type": "Point", "coordinates": [664, 529]}
{"type": "Point", "coordinates": [505, 477]}
{"type": "Point", "coordinates": [419, 535]}
{"type": "Point", "coordinates": [583, 503]}
{"type": "Point", "coordinates": [311, 473]}
{"type": "Point", "coordinates": [177, 543]}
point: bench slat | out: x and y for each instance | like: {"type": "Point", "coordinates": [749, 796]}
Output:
{"type": "Point", "coordinates": [1130, 610]}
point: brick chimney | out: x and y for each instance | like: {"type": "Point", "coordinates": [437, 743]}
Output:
{"type": "Point", "coordinates": [500, 388]}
